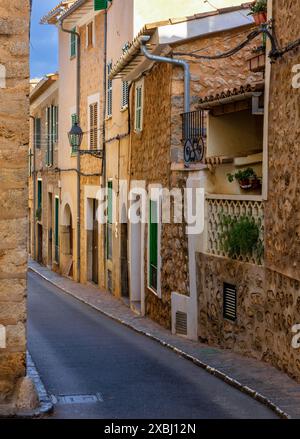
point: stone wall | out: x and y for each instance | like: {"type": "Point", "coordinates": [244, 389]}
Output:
{"type": "Point", "coordinates": [14, 127]}
{"type": "Point", "coordinates": [267, 307]}
{"type": "Point", "coordinates": [283, 207]}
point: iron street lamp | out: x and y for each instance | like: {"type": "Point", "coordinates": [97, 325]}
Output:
{"type": "Point", "coordinates": [75, 136]}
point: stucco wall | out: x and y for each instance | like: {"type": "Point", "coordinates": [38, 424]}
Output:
{"type": "Point", "coordinates": [14, 128]}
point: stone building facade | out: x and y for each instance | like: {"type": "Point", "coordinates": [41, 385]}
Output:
{"type": "Point", "coordinates": [43, 175]}
{"type": "Point", "coordinates": [156, 154]}
{"type": "Point", "coordinates": [267, 292]}
{"type": "Point", "coordinates": [14, 127]}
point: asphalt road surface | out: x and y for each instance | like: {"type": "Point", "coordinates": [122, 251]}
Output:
{"type": "Point", "coordinates": [97, 368]}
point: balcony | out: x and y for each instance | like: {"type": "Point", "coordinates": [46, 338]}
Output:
{"type": "Point", "coordinates": [193, 136]}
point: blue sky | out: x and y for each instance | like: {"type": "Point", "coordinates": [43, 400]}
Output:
{"type": "Point", "coordinates": [43, 46]}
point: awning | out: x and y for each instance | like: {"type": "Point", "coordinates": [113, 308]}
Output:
{"type": "Point", "coordinates": [228, 96]}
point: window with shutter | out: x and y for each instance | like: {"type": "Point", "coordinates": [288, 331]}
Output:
{"type": "Point", "coordinates": [109, 91]}
{"type": "Point", "coordinates": [49, 135]}
{"type": "Point", "coordinates": [93, 110]}
{"type": "Point", "coordinates": [56, 229]}
{"type": "Point", "coordinates": [109, 220]}
{"type": "Point", "coordinates": [99, 5]}
{"type": "Point", "coordinates": [139, 107]}
{"type": "Point", "coordinates": [73, 43]}
{"type": "Point", "coordinates": [125, 95]}
{"type": "Point", "coordinates": [39, 197]}
{"type": "Point", "coordinates": [37, 134]}
{"type": "Point", "coordinates": [153, 245]}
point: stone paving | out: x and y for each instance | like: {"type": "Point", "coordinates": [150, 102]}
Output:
{"type": "Point", "coordinates": [258, 379]}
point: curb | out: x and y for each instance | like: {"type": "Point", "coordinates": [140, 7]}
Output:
{"type": "Point", "coordinates": [46, 405]}
{"type": "Point", "coordinates": [211, 370]}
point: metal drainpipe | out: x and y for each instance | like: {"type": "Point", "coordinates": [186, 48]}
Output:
{"type": "Point", "coordinates": [178, 62]}
{"type": "Point", "coordinates": [78, 153]}
{"type": "Point", "coordinates": [34, 190]}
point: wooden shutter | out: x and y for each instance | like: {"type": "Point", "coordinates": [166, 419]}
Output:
{"type": "Point", "coordinates": [90, 31]}
{"type": "Point", "coordinates": [37, 133]}
{"type": "Point", "coordinates": [39, 198]}
{"type": "Point", "coordinates": [138, 108]}
{"type": "Point", "coordinates": [109, 91]}
{"type": "Point", "coordinates": [99, 5]}
{"type": "Point", "coordinates": [56, 229]}
{"type": "Point", "coordinates": [125, 89]}
{"type": "Point", "coordinates": [73, 43]}
{"type": "Point", "coordinates": [153, 244]}
{"type": "Point", "coordinates": [109, 220]}
{"type": "Point", "coordinates": [93, 126]}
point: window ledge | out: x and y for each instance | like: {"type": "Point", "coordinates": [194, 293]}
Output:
{"type": "Point", "coordinates": [123, 109]}
{"type": "Point", "coordinates": [188, 168]}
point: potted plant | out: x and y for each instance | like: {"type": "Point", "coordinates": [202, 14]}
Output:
{"type": "Point", "coordinates": [246, 178]}
{"type": "Point", "coordinates": [259, 11]}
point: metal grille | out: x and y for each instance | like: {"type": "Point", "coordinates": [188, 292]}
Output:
{"type": "Point", "coordinates": [193, 135]}
{"type": "Point", "coordinates": [229, 302]}
{"type": "Point", "coordinates": [181, 323]}
{"type": "Point", "coordinates": [216, 208]}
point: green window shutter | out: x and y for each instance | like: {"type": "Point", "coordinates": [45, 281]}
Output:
{"type": "Point", "coordinates": [73, 43]}
{"type": "Point", "coordinates": [109, 220]}
{"type": "Point", "coordinates": [37, 133]}
{"type": "Point", "coordinates": [109, 203]}
{"type": "Point", "coordinates": [138, 108]}
{"type": "Point", "coordinates": [39, 198]}
{"type": "Point", "coordinates": [99, 5]}
{"type": "Point", "coordinates": [153, 244]}
{"type": "Point", "coordinates": [56, 229]}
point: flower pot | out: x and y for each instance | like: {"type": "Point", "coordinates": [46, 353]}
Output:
{"type": "Point", "coordinates": [245, 184]}
{"type": "Point", "coordinates": [260, 18]}
{"type": "Point", "coordinates": [250, 184]}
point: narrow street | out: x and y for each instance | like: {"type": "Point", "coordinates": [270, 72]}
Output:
{"type": "Point", "coordinates": [78, 351]}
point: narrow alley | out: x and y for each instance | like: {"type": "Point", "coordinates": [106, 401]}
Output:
{"type": "Point", "coordinates": [78, 351]}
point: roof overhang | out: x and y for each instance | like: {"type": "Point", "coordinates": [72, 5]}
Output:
{"type": "Point", "coordinates": [173, 32]}
{"type": "Point", "coordinates": [230, 96]}
{"type": "Point", "coordinates": [42, 86]}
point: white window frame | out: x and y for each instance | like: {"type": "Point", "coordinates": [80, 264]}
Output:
{"type": "Point", "coordinates": [93, 99]}
{"type": "Point", "coordinates": [156, 196]}
{"type": "Point", "coordinates": [139, 86]}
{"type": "Point", "coordinates": [93, 36]}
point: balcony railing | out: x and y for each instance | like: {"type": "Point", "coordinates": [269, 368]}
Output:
{"type": "Point", "coordinates": [221, 214]}
{"type": "Point", "coordinates": [193, 136]}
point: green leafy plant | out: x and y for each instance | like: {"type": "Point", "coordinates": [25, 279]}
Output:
{"type": "Point", "coordinates": [242, 175]}
{"type": "Point", "coordinates": [240, 236]}
{"type": "Point", "coordinates": [258, 6]}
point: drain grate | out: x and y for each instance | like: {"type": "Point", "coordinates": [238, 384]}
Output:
{"type": "Point", "coordinates": [76, 399]}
